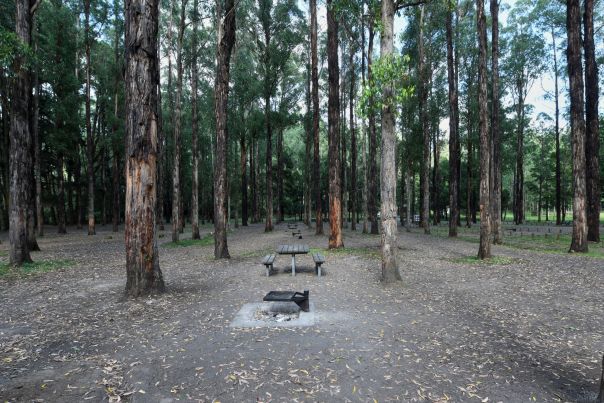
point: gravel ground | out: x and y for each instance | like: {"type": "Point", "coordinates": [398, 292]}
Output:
{"type": "Point", "coordinates": [528, 329]}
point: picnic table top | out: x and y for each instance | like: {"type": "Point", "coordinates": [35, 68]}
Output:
{"type": "Point", "coordinates": [292, 249]}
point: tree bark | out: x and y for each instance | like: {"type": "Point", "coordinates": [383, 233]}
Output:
{"type": "Point", "coordinates": [35, 216]}
{"type": "Point", "coordinates": [226, 40]}
{"type": "Point", "coordinates": [390, 272]}
{"type": "Point", "coordinates": [176, 202]}
{"type": "Point", "coordinates": [194, 128]}
{"type": "Point", "coordinates": [423, 113]}
{"type": "Point", "coordinates": [115, 168]}
{"type": "Point", "coordinates": [161, 134]}
{"type": "Point", "coordinates": [143, 274]}
{"type": "Point", "coordinates": [495, 130]}
{"type": "Point", "coordinates": [372, 184]}
{"type": "Point", "coordinates": [577, 125]}
{"type": "Point", "coordinates": [592, 132]}
{"type": "Point", "coordinates": [20, 142]}
{"type": "Point", "coordinates": [61, 219]}
{"type": "Point", "coordinates": [280, 207]}
{"type": "Point", "coordinates": [353, 145]}
{"type": "Point", "coordinates": [364, 133]}
{"type": "Point", "coordinates": [308, 145]}
{"type": "Point", "coordinates": [333, 117]}
{"type": "Point", "coordinates": [519, 182]}
{"type": "Point", "coordinates": [484, 250]}
{"type": "Point", "coordinates": [454, 149]}
{"type": "Point", "coordinates": [244, 199]}
{"type": "Point", "coordinates": [557, 112]}
{"type": "Point", "coordinates": [315, 118]}
{"type": "Point", "coordinates": [89, 135]}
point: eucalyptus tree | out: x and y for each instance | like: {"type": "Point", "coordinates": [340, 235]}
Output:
{"type": "Point", "coordinates": [226, 40]}
{"type": "Point", "coordinates": [454, 149]}
{"type": "Point", "coordinates": [315, 117]}
{"type": "Point", "coordinates": [142, 259]}
{"type": "Point", "coordinates": [20, 138]}
{"type": "Point", "coordinates": [592, 132]}
{"type": "Point", "coordinates": [549, 15]}
{"type": "Point", "coordinates": [497, 227]}
{"type": "Point", "coordinates": [577, 124]}
{"type": "Point", "coordinates": [484, 250]}
{"type": "Point", "coordinates": [333, 117]}
{"type": "Point", "coordinates": [524, 64]}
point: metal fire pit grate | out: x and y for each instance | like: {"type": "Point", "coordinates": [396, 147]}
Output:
{"type": "Point", "coordinates": [301, 299]}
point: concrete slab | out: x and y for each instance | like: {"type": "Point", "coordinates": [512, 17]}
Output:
{"type": "Point", "coordinates": [245, 318]}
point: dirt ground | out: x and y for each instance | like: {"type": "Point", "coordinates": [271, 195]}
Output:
{"type": "Point", "coordinates": [528, 329]}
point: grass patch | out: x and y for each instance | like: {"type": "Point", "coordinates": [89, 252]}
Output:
{"type": "Point", "coordinates": [494, 261]}
{"type": "Point", "coordinates": [3, 253]}
{"type": "Point", "coordinates": [204, 241]}
{"type": "Point", "coordinates": [40, 266]}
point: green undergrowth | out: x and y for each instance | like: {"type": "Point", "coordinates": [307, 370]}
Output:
{"type": "Point", "coordinates": [544, 242]}
{"type": "Point", "coordinates": [39, 266]}
{"type": "Point", "coordinates": [493, 261]}
{"type": "Point", "coordinates": [204, 241]}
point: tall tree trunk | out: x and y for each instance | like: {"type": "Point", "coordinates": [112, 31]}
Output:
{"type": "Point", "coordinates": [333, 117]}
{"type": "Point", "coordinates": [61, 196]}
{"type": "Point", "coordinates": [280, 208]}
{"type": "Point", "coordinates": [79, 205]}
{"type": "Point", "coordinates": [308, 145]}
{"type": "Point", "coordinates": [497, 227]}
{"type": "Point", "coordinates": [176, 202]}
{"type": "Point", "coordinates": [194, 129]}
{"type": "Point", "coordinates": [226, 40]}
{"type": "Point", "coordinates": [373, 181]}
{"type": "Point", "coordinates": [37, 223]}
{"type": "Point", "coordinates": [423, 113]}
{"type": "Point", "coordinates": [253, 187]}
{"type": "Point", "coordinates": [454, 149]}
{"type": "Point", "coordinates": [469, 171]}
{"type": "Point", "coordinates": [315, 117]}
{"type": "Point", "coordinates": [557, 112]}
{"type": "Point", "coordinates": [161, 145]}
{"type": "Point", "coordinates": [519, 183]}
{"type": "Point", "coordinates": [353, 144]}
{"type": "Point", "coordinates": [20, 142]}
{"type": "Point", "coordinates": [577, 125]}
{"type": "Point", "coordinates": [484, 250]}
{"type": "Point", "coordinates": [143, 274]}
{"type": "Point", "coordinates": [244, 200]}
{"type": "Point", "coordinates": [390, 272]}
{"type": "Point", "coordinates": [89, 135]}
{"type": "Point", "coordinates": [592, 132]}
{"type": "Point", "coordinates": [115, 167]}
{"type": "Point", "coordinates": [364, 132]}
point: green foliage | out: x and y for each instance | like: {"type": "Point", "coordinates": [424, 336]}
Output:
{"type": "Point", "coordinates": [390, 72]}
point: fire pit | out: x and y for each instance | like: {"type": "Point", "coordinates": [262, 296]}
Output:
{"type": "Point", "coordinates": [301, 299]}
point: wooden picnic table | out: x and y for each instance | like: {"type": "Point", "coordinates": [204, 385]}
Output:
{"type": "Point", "coordinates": [293, 250]}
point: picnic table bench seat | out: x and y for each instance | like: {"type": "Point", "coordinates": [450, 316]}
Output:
{"type": "Point", "coordinates": [268, 262]}
{"type": "Point", "coordinates": [319, 260]}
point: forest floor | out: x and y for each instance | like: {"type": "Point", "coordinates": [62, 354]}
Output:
{"type": "Point", "coordinates": [527, 326]}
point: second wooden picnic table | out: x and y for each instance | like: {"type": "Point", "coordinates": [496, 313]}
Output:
{"type": "Point", "coordinates": [293, 250]}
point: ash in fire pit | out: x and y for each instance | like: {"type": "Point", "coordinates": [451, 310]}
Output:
{"type": "Point", "coordinates": [274, 314]}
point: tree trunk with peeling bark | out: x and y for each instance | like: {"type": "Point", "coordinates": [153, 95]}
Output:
{"type": "Point", "coordinates": [333, 117]}
{"type": "Point", "coordinates": [592, 132]}
{"type": "Point", "coordinates": [226, 40]}
{"type": "Point", "coordinates": [143, 274]}
{"type": "Point", "coordinates": [390, 272]}
{"type": "Point", "coordinates": [577, 125]}
{"type": "Point", "coordinates": [353, 145]}
{"type": "Point", "coordinates": [484, 250]}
